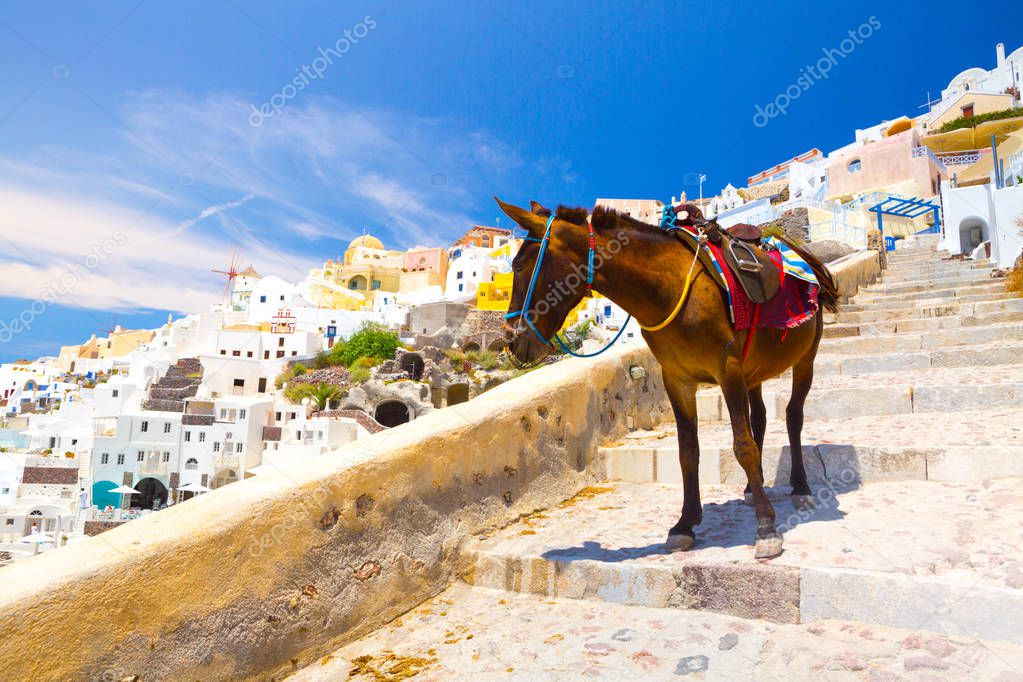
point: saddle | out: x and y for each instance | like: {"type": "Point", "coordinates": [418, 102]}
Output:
{"type": "Point", "coordinates": [741, 247]}
{"type": "Point", "coordinates": [752, 267]}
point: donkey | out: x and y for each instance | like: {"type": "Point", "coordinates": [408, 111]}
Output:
{"type": "Point", "coordinates": [643, 270]}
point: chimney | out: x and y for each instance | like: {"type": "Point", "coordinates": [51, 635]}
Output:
{"type": "Point", "coordinates": [1000, 51]}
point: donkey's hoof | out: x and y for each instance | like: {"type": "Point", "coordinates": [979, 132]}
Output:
{"type": "Point", "coordinates": [768, 545]}
{"type": "Point", "coordinates": [747, 498]}
{"type": "Point", "coordinates": [802, 502]}
{"type": "Point", "coordinates": [679, 542]}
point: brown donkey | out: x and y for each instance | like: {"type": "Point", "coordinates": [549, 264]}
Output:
{"type": "Point", "coordinates": [643, 269]}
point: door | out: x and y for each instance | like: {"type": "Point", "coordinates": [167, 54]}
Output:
{"type": "Point", "coordinates": [261, 388]}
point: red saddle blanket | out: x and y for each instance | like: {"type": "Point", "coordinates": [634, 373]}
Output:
{"type": "Point", "coordinates": [794, 304]}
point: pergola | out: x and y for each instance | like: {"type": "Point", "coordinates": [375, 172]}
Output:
{"type": "Point", "coordinates": [906, 208]}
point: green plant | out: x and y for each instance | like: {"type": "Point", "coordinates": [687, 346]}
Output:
{"type": "Point", "coordinates": [371, 340]}
{"type": "Point", "coordinates": [358, 375]}
{"type": "Point", "coordinates": [488, 359]}
{"type": "Point", "coordinates": [974, 121]}
{"type": "Point", "coordinates": [323, 395]}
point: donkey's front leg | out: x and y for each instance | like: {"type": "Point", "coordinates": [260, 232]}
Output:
{"type": "Point", "coordinates": [733, 386]}
{"type": "Point", "coordinates": [683, 403]}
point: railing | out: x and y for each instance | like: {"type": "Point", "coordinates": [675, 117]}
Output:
{"type": "Point", "coordinates": [926, 151]}
{"type": "Point", "coordinates": [849, 234]}
{"type": "Point", "coordinates": [961, 158]}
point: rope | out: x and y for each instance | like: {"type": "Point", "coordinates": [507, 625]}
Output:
{"type": "Point", "coordinates": [683, 297]}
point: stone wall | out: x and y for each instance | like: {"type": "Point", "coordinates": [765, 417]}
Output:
{"type": "Point", "coordinates": [855, 271]}
{"type": "Point", "coordinates": [272, 572]}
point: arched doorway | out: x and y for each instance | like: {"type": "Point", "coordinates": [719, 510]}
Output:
{"type": "Point", "coordinates": [973, 231]}
{"type": "Point", "coordinates": [471, 347]}
{"type": "Point", "coordinates": [391, 413]}
{"type": "Point", "coordinates": [224, 477]}
{"type": "Point", "coordinates": [152, 494]}
{"type": "Point", "coordinates": [457, 393]}
{"type": "Point", "coordinates": [102, 497]}
{"type": "Point", "coordinates": [413, 364]}
{"type": "Point", "coordinates": [358, 283]}
{"type": "Point", "coordinates": [497, 346]}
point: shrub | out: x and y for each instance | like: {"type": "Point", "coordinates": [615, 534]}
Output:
{"type": "Point", "coordinates": [488, 359]}
{"type": "Point", "coordinates": [371, 341]}
{"type": "Point", "coordinates": [974, 121]}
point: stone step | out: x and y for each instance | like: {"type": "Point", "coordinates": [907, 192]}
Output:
{"type": "Point", "coordinates": [937, 300]}
{"type": "Point", "coordinates": [859, 314]}
{"type": "Point", "coordinates": [951, 563]}
{"type": "Point", "coordinates": [983, 355]}
{"type": "Point", "coordinates": [914, 341]}
{"type": "Point", "coordinates": [481, 634]}
{"type": "Point", "coordinates": [963, 292]}
{"type": "Point", "coordinates": [930, 284]}
{"type": "Point", "coordinates": [920, 325]}
{"type": "Point", "coordinates": [905, 274]}
{"type": "Point", "coordinates": [959, 446]}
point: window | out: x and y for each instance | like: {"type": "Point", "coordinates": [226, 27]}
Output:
{"type": "Point", "coordinates": [461, 287]}
{"type": "Point", "coordinates": [278, 416]}
{"type": "Point", "coordinates": [145, 427]}
{"type": "Point", "coordinates": [228, 436]}
{"type": "Point", "coordinates": [167, 427]}
{"type": "Point", "coordinates": [291, 415]}
{"type": "Point", "coordinates": [607, 311]}
{"type": "Point", "coordinates": [188, 436]}
{"type": "Point", "coordinates": [459, 275]}
{"type": "Point", "coordinates": [166, 457]}
{"type": "Point", "coordinates": [262, 299]}
{"type": "Point", "coordinates": [280, 354]}
{"type": "Point", "coordinates": [376, 284]}
{"type": "Point", "coordinates": [216, 447]}
{"type": "Point", "coordinates": [236, 353]}
{"type": "Point", "coordinates": [140, 457]}
{"type": "Point", "coordinates": [239, 383]}
{"type": "Point", "coordinates": [10, 522]}
{"type": "Point", "coordinates": [115, 393]}
{"type": "Point", "coordinates": [280, 342]}
{"type": "Point", "coordinates": [223, 352]}
{"type": "Point", "coordinates": [248, 354]}
{"type": "Point", "coordinates": [266, 355]}
{"type": "Point", "coordinates": [242, 413]}
{"type": "Point", "coordinates": [238, 448]}
{"type": "Point", "coordinates": [192, 464]}
{"type": "Point", "coordinates": [104, 458]}
{"type": "Point", "coordinates": [120, 458]}
{"type": "Point", "coordinates": [968, 110]}
{"type": "Point", "coordinates": [854, 166]}
{"type": "Point", "coordinates": [202, 436]}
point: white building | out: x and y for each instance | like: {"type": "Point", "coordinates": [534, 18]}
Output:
{"type": "Point", "coordinates": [468, 269]}
{"type": "Point", "coordinates": [983, 213]}
{"type": "Point", "coordinates": [973, 82]}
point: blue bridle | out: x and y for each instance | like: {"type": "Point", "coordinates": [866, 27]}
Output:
{"type": "Point", "coordinates": [532, 285]}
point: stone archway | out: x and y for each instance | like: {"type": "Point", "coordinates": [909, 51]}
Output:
{"type": "Point", "coordinates": [457, 393]}
{"type": "Point", "coordinates": [151, 493]}
{"type": "Point", "coordinates": [413, 364]}
{"type": "Point", "coordinates": [973, 231]}
{"type": "Point", "coordinates": [392, 413]}
{"type": "Point", "coordinates": [471, 347]}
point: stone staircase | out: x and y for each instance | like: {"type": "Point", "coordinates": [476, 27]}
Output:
{"type": "Point", "coordinates": [181, 381]}
{"type": "Point", "coordinates": [910, 566]}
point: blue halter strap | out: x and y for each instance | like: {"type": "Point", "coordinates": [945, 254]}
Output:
{"type": "Point", "coordinates": [544, 242]}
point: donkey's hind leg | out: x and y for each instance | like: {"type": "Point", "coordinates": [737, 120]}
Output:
{"type": "Point", "coordinates": [758, 425]}
{"type": "Point", "coordinates": [683, 403]}
{"type": "Point", "coordinates": [802, 379]}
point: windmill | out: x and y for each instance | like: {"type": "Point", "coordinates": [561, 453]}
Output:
{"type": "Point", "coordinates": [232, 272]}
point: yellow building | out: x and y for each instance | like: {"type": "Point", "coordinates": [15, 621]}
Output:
{"type": "Point", "coordinates": [121, 342]}
{"type": "Point", "coordinates": [351, 282]}
{"type": "Point", "coordinates": [495, 294]}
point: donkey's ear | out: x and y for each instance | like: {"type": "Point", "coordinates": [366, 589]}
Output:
{"type": "Point", "coordinates": [530, 222]}
{"type": "Point", "coordinates": [539, 209]}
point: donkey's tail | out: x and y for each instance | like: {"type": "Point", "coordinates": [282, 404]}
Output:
{"type": "Point", "coordinates": [828, 295]}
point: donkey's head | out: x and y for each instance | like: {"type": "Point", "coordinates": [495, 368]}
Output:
{"type": "Point", "coordinates": [545, 289]}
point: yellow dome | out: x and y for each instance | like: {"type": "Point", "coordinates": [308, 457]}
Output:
{"type": "Point", "coordinates": [367, 240]}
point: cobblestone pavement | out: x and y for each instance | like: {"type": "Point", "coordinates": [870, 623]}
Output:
{"type": "Point", "coordinates": [480, 634]}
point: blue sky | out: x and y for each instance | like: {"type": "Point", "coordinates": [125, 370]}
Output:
{"type": "Point", "coordinates": [130, 165]}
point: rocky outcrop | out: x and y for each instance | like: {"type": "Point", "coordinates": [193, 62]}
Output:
{"type": "Point", "coordinates": [181, 381]}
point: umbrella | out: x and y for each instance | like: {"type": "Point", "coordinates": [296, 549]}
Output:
{"type": "Point", "coordinates": [37, 538]}
{"type": "Point", "coordinates": [195, 488]}
{"type": "Point", "coordinates": [124, 490]}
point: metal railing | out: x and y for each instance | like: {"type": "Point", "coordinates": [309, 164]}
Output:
{"type": "Point", "coordinates": [848, 234]}
{"type": "Point", "coordinates": [926, 151]}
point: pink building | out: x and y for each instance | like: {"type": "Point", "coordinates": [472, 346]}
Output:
{"type": "Point", "coordinates": [423, 259]}
{"type": "Point", "coordinates": [898, 164]}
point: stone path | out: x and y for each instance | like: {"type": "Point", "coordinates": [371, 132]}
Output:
{"type": "Point", "coordinates": [909, 567]}
{"type": "Point", "coordinates": [481, 634]}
